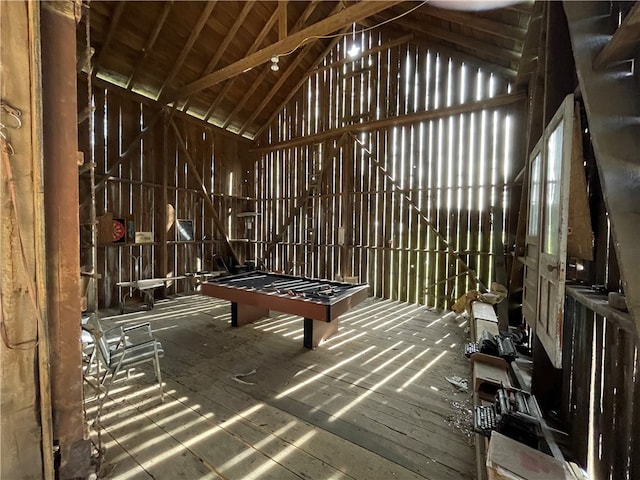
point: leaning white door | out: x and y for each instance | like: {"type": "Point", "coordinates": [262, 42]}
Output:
{"type": "Point", "coordinates": [552, 227]}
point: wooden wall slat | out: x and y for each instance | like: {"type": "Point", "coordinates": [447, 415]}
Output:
{"type": "Point", "coordinates": [134, 192]}
{"type": "Point", "coordinates": [446, 167]}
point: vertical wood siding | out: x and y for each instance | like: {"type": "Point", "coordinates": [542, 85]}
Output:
{"type": "Point", "coordinates": [601, 393]}
{"type": "Point", "coordinates": [133, 191]}
{"type": "Point", "coordinates": [372, 212]}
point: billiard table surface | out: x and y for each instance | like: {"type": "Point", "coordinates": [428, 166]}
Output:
{"type": "Point", "coordinates": [253, 294]}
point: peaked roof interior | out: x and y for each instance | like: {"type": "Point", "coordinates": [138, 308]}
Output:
{"type": "Point", "coordinates": [213, 59]}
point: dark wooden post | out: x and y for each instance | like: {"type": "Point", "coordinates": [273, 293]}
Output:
{"type": "Point", "coordinates": [60, 146]}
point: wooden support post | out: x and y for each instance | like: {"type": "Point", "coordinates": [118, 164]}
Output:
{"type": "Point", "coordinates": [193, 169]}
{"type": "Point", "coordinates": [62, 235]}
{"type": "Point", "coordinates": [422, 217]}
{"type": "Point", "coordinates": [305, 198]}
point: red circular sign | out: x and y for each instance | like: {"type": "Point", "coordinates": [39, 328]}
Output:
{"type": "Point", "coordinates": [118, 230]}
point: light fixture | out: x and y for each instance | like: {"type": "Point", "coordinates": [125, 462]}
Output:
{"type": "Point", "coordinates": [274, 63]}
{"type": "Point", "coordinates": [353, 51]}
{"type": "Point", "coordinates": [472, 5]}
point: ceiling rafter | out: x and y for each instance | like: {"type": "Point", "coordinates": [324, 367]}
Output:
{"type": "Point", "coordinates": [274, 90]}
{"type": "Point", "coordinates": [115, 21]}
{"type": "Point", "coordinates": [247, 95]}
{"type": "Point", "coordinates": [223, 47]}
{"type": "Point", "coordinates": [402, 39]}
{"type": "Point", "coordinates": [302, 20]}
{"type": "Point", "coordinates": [298, 25]}
{"type": "Point", "coordinates": [493, 51]}
{"type": "Point", "coordinates": [284, 75]}
{"type": "Point", "coordinates": [624, 42]}
{"type": "Point", "coordinates": [282, 20]}
{"type": "Point", "coordinates": [295, 89]}
{"type": "Point", "coordinates": [150, 43]}
{"type": "Point", "coordinates": [530, 48]}
{"type": "Point", "coordinates": [330, 24]}
{"type": "Point", "coordinates": [228, 38]}
{"type": "Point", "coordinates": [429, 43]}
{"type": "Point", "coordinates": [476, 22]}
{"type": "Point", "coordinates": [461, 42]}
{"type": "Point", "coordinates": [432, 44]}
{"type": "Point", "coordinates": [195, 33]}
{"type": "Point", "coordinates": [256, 44]}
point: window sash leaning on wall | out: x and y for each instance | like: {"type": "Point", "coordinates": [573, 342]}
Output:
{"type": "Point", "coordinates": [371, 213]}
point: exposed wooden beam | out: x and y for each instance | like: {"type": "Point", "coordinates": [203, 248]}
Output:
{"type": "Point", "coordinates": [148, 46]}
{"type": "Point", "coordinates": [624, 43]}
{"type": "Point", "coordinates": [612, 114]}
{"type": "Point", "coordinates": [278, 85]}
{"type": "Point", "coordinates": [249, 93]}
{"type": "Point", "coordinates": [282, 79]}
{"type": "Point", "coordinates": [193, 169]}
{"type": "Point", "coordinates": [302, 20]}
{"type": "Point", "coordinates": [303, 199]}
{"type": "Point", "coordinates": [495, 102]}
{"type": "Point", "coordinates": [500, 54]}
{"type": "Point", "coordinates": [133, 147]}
{"type": "Point", "coordinates": [455, 52]}
{"type": "Point", "coordinates": [437, 46]}
{"type": "Point", "coordinates": [115, 21]}
{"type": "Point", "coordinates": [282, 20]}
{"type": "Point", "coordinates": [531, 45]}
{"type": "Point", "coordinates": [223, 47]}
{"type": "Point", "coordinates": [401, 40]}
{"type": "Point", "coordinates": [335, 22]}
{"type": "Point", "coordinates": [283, 75]}
{"type": "Point", "coordinates": [150, 102]}
{"type": "Point", "coordinates": [295, 89]}
{"type": "Point", "coordinates": [256, 44]}
{"type": "Point", "coordinates": [193, 36]}
{"type": "Point", "coordinates": [475, 22]}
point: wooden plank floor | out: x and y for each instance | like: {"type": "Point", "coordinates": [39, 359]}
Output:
{"type": "Point", "coordinates": [373, 402]}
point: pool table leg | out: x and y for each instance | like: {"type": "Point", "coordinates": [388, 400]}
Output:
{"type": "Point", "coordinates": [316, 331]}
{"type": "Point", "coordinates": [243, 314]}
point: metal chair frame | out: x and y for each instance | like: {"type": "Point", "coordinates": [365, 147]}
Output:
{"type": "Point", "coordinates": [124, 352]}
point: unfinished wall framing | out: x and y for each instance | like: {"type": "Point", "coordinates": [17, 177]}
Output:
{"type": "Point", "coordinates": [143, 176]}
{"type": "Point", "coordinates": [387, 166]}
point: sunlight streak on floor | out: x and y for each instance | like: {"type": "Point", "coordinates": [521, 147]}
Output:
{"type": "Point", "coordinates": [380, 367]}
{"type": "Point", "coordinates": [375, 387]}
{"type": "Point", "coordinates": [255, 448]}
{"type": "Point", "coordinates": [346, 340]}
{"type": "Point", "coordinates": [421, 371]}
{"type": "Point", "coordinates": [259, 471]}
{"type": "Point", "coordinates": [166, 455]}
{"type": "Point", "coordinates": [392, 347]}
{"type": "Point", "coordinates": [323, 373]}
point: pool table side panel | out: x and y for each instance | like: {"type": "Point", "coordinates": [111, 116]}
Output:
{"type": "Point", "coordinates": [266, 301]}
{"type": "Point", "coordinates": [359, 294]}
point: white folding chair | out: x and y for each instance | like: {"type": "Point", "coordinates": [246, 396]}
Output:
{"type": "Point", "coordinates": [134, 345]}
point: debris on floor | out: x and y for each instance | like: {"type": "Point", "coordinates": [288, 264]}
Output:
{"type": "Point", "coordinates": [460, 383]}
{"type": "Point", "coordinates": [237, 377]}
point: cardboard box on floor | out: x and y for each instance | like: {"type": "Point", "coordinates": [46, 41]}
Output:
{"type": "Point", "coordinates": [509, 459]}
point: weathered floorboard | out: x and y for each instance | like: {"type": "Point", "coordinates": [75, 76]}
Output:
{"type": "Point", "coordinates": [372, 402]}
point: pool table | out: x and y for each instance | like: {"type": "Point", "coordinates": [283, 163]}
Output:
{"type": "Point", "coordinates": [320, 302]}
